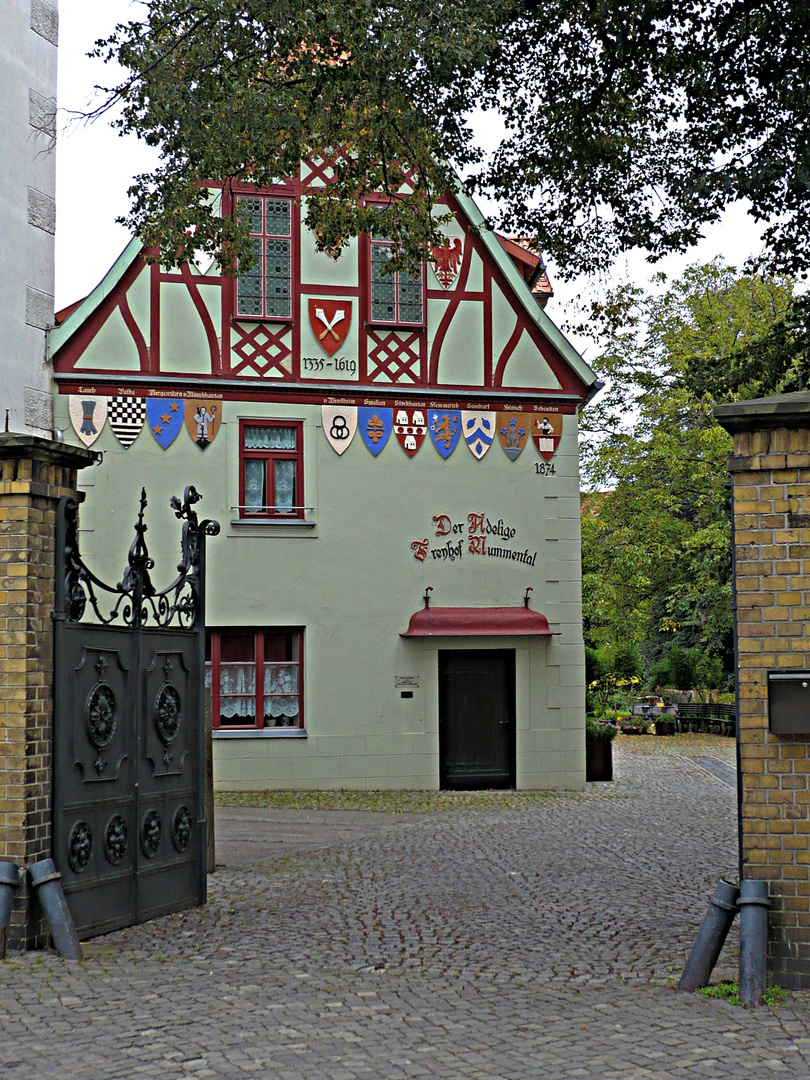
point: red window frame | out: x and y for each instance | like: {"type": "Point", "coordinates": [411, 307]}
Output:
{"type": "Point", "coordinates": [375, 244]}
{"type": "Point", "coordinates": [270, 511]}
{"type": "Point", "coordinates": [271, 638]}
{"type": "Point", "coordinates": [263, 236]}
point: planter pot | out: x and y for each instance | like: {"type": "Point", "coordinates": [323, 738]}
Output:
{"type": "Point", "coordinates": [632, 729]}
{"type": "Point", "coordinates": [598, 759]}
{"type": "Point", "coordinates": [665, 727]}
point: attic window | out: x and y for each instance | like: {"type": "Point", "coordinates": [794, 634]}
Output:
{"type": "Point", "coordinates": [265, 291]}
{"type": "Point", "coordinates": [396, 298]}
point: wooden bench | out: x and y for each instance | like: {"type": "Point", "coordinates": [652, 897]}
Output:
{"type": "Point", "coordinates": [704, 716]}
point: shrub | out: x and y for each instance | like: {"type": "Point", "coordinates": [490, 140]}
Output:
{"type": "Point", "coordinates": [596, 730]}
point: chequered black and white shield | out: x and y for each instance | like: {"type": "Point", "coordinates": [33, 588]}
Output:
{"type": "Point", "coordinates": [126, 416]}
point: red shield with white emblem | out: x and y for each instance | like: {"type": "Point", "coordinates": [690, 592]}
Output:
{"type": "Point", "coordinates": [410, 428]}
{"type": "Point", "coordinates": [330, 321]}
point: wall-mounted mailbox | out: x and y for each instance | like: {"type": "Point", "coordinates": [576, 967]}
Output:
{"type": "Point", "coordinates": [789, 702]}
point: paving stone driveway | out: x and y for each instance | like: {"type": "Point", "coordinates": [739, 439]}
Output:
{"type": "Point", "coordinates": [539, 940]}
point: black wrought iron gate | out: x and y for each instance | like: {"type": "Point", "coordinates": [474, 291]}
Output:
{"type": "Point", "coordinates": [128, 808]}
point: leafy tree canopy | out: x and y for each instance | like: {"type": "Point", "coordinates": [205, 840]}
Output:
{"type": "Point", "coordinates": [628, 123]}
{"type": "Point", "coordinates": [656, 563]}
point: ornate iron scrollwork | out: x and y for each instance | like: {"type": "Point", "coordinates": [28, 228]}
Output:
{"type": "Point", "coordinates": [134, 600]}
{"type": "Point", "coordinates": [80, 847]}
{"type": "Point", "coordinates": [115, 840]}
{"type": "Point", "coordinates": [151, 834]}
{"type": "Point", "coordinates": [181, 828]}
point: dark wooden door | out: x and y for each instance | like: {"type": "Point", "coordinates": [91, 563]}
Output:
{"type": "Point", "coordinates": [477, 718]}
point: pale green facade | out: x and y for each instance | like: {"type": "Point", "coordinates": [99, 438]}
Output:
{"type": "Point", "coordinates": [353, 568]}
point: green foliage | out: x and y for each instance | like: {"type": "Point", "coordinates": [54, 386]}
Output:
{"type": "Point", "coordinates": [625, 124]}
{"type": "Point", "coordinates": [615, 669]}
{"type": "Point", "coordinates": [687, 668]}
{"type": "Point", "coordinates": [655, 528]}
{"type": "Point", "coordinates": [729, 990]}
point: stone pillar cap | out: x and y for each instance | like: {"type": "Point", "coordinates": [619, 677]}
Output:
{"type": "Point", "coordinates": [781, 410]}
{"type": "Point", "coordinates": [15, 446]}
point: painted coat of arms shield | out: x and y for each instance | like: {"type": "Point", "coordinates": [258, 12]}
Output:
{"type": "Point", "coordinates": [127, 416]}
{"type": "Point", "coordinates": [410, 428]}
{"type": "Point", "coordinates": [375, 427]}
{"type": "Point", "coordinates": [445, 430]}
{"type": "Point", "coordinates": [546, 433]}
{"type": "Point", "coordinates": [88, 416]}
{"type": "Point", "coordinates": [203, 417]}
{"type": "Point", "coordinates": [513, 433]}
{"type": "Point", "coordinates": [447, 261]}
{"type": "Point", "coordinates": [165, 418]}
{"type": "Point", "coordinates": [329, 321]}
{"type": "Point", "coordinates": [339, 425]}
{"type": "Point", "coordinates": [479, 431]}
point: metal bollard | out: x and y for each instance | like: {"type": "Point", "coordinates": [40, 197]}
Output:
{"type": "Point", "coordinates": [9, 881]}
{"type": "Point", "coordinates": [753, 904]}
{"type": "Point", "coordinates": [45, 879]}
{"type": "Point", "coordinates": [710, 939]}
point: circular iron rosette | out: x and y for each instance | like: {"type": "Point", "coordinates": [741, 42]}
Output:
{"type": "Point", "coordinates": [151, 834]}
{"type": "Point", "coordinates": [77, 602]}
{"type": "Point", "coordinates": [80, 847]}
{"type": "Point", "coordinates": [100, 715]}
{"type": "Point", "coordinates": [181, 828]}
{"type": "Point", "coordinates": [115, 837]}
{"type": "Point", "coordinates": [167, 713]}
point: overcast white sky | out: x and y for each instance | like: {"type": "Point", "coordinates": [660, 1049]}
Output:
{"type": "Point", "coordinates": [95, 167]}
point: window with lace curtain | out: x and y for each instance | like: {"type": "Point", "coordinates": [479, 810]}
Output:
{"type": "Point", "coordinates": [254, 677]}
{"type": "Point", "coordinates": [271, 469]}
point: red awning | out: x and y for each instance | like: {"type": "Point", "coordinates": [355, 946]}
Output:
{"type": "Point", "coordinates": [477, 622]}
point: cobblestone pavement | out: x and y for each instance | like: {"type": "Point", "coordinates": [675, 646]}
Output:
{"type": "Point", "coordinates": [540, 940]}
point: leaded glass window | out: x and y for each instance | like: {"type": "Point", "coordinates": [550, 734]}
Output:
{"type": "Point", "coordinates": [265, 291]}
{"type": "Point", "coordinates": [395, 298]}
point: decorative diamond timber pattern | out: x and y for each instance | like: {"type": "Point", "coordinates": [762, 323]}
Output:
{"type": "Point", "coordinates": [394, 357]}
{"type": "Point", "coordinates": [262, 349]}
{"type": "Point", "coordinates": [321, 170]}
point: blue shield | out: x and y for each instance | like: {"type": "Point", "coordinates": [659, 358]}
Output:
{"type": "Point", "coordinates": [165, 418]}
{"type": "Point", "coordinates": [375, 427]}
{"type": "Point", "coordinates": [445, 430]}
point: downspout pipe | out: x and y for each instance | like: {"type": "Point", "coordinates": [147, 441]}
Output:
{"type": "Point", "coordinates": [738, 744]}
{"type": "Point", "coordinates": [9, 882]}
{"type": "Point", "coordinates": [45, 881]}
{"type": "Point", "coordinates": [753, 904]}
{"type": "Point", "coordinates": [710, 939]}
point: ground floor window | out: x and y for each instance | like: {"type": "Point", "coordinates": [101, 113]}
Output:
{"type": "Point", "coordinates": [254, 677]}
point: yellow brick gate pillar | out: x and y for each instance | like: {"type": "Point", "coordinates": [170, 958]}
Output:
{"type": "Point", "coordinates": [770, 473]}
{"type": "Point", "coordinates": [34, 474]}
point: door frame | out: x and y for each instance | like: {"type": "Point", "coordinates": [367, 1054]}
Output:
{"type": "Point", "coordinates": [510, 675]}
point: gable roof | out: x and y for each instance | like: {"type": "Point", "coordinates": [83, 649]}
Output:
{"type": "Point", "coordinates": [78, 314]}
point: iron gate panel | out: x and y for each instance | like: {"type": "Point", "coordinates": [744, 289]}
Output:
{"type": "Point", "coordinates": [129, 830]}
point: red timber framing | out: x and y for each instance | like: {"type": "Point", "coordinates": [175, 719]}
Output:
{"type": "Point", "coordinates": [247, 351]}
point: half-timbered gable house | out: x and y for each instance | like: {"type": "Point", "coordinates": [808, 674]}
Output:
{"type": "Point", "coordinates": [394, 599]}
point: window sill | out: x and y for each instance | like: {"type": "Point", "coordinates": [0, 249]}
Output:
{"type": "Point", "coordinates": [273, 523]}
{"type": "Point", "coordinates": [415, 327]}
{"type": "Point", "coordinates": [260, 733]}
